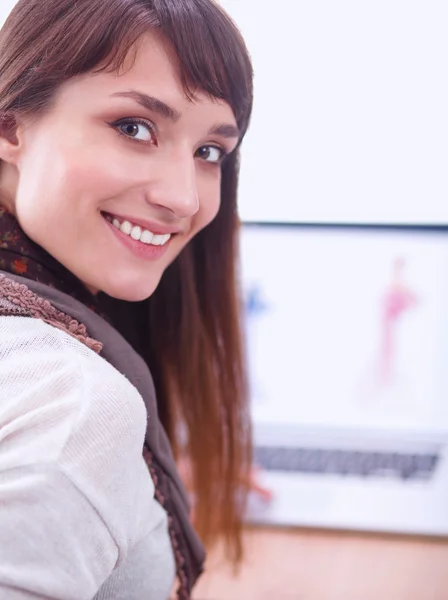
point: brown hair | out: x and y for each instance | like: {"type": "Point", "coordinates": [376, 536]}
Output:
{"type": "Point", "coordinates": [191, 325]}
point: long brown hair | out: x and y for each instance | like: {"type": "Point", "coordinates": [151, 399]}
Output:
{"type": "Point", "coordinates": [189, 331]}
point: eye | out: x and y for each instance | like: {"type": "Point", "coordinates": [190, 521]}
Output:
{"type": "Point", "coordinates": [140, 131]}
{"type": "Point", "coordinates": [211, 154]}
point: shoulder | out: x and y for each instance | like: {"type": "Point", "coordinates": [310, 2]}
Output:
{"type": "Point", "coordinates": [56, 372]}
{"type": "Point", "coordinates": [64, 406]}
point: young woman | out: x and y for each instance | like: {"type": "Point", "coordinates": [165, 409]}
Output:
{"type": "Point", "coordinates": [120, 338]}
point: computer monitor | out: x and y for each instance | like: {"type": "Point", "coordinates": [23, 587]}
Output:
{"type": "Point", "coordinates": [347, 338]}
{"type": "Point", "coordinates": [347, 326]}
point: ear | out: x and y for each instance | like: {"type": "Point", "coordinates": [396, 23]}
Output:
{"type": "Point", "coordinates": [9, 140]}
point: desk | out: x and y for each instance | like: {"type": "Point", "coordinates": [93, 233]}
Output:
{"type": "Point", "coordinates": [317, 565]}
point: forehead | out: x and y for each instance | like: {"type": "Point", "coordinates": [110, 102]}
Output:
{"type": "Point", "coordinates": [151, 68]}
{"type": "Point", "coordinates": [152, 62]}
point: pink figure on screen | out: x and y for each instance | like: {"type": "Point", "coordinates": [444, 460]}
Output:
{"type": "Point", "coordinates": [397, 300]}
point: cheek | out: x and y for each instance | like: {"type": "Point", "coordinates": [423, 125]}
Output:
{"type": "Point", "coordinates": [97, 175]}
{"type": "Point", "coordinates": [73, 178]}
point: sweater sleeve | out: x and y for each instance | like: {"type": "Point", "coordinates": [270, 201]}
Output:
{"type": "Point", "coordinates": [71, 438]}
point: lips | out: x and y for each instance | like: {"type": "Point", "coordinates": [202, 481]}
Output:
{"type": "Point", "coordinates": [141, 242]}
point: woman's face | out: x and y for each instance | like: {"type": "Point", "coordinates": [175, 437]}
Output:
{"type": "Point", "coordinates": [121, 172]}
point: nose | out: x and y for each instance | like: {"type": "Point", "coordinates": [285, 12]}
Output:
{"type": "Point", "coordinates": [173, 186]}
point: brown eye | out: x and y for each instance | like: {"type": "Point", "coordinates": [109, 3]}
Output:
{"type": "Point", "coordinates": [210, 154]}
{"type": "Point", "coordinates": [131, 129]}
{"type": "Point", "coordinates": [136, 130]}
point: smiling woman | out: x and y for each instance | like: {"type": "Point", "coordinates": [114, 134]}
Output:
{"type": "Point", "coordinates": [120, 338]}
{"type": "Point", "coordinates": [131, 145]}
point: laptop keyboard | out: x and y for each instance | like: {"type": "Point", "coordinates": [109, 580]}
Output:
{"type": "Point", "coordinates": [347, 462]}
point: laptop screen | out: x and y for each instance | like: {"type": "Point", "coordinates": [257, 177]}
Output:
{"type": "Point", "coordinates": [347, 327]}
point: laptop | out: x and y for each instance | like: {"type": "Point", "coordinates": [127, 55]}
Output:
{"type": "Point", "coordinates": [347, 344]}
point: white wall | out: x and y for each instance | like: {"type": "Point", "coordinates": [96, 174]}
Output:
{"type": "Point", "coordinates": [351, 111]}
{"type": "Point", "coordinates": [5, 7]}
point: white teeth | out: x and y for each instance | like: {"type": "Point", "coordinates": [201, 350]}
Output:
{"type": "Point", "coordinates": [126, 227]}
{"type": "Point", "coordinates": [136, 233]}
{"type": "Point", "coordinates": [146, 237]}
{"type": "Point", "coordinates": [139, 234]}
{"type": "Point", "coordinates": [158, 240]}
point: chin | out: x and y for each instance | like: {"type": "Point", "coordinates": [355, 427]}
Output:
{"type": "Point", "coordinates": [130, 289]}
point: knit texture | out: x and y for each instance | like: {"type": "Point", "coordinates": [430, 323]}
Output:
{"type": "Point", "coordinates": [78, 517]}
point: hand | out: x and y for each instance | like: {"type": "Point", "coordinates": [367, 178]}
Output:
{"type": "Point", "coordinates": [257, 488]}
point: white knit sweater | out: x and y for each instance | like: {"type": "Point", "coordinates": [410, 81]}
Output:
{"type": "Point", "coordinates": [78, 518]}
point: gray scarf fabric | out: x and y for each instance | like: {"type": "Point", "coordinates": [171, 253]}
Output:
{"type": "Point", "coordinates": [18, 296]}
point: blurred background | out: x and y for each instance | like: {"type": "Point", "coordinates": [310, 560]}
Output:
{"type": "Point", "coordinates": [350, 117]}
{"type": "Point", "coordinates": [344, 263]}
{"type": "Point", "coordinates": [344, 253]}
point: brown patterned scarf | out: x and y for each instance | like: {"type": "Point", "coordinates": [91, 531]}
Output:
{"type": "Point", "coordinates": [33, 283]}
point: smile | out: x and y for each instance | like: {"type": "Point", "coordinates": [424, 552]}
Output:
{"type": "Point", "coordinates": [137, 233]}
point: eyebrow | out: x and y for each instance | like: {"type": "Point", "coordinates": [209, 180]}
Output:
{"type": "Point", "coordinates": [167, 112]}
{"type": "Point", "coordinates": [227, 131]}
{"type": "Point", "coordinates": [152, 104]}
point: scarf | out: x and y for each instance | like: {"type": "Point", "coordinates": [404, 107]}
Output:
{"type": "Point", "coordinates": [33, 283]}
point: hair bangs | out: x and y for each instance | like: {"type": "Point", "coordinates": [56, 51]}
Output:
{"type": "Point", "coordinates": [88, 36]}
{"type": "Point", "coordinates": [212, 54]}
